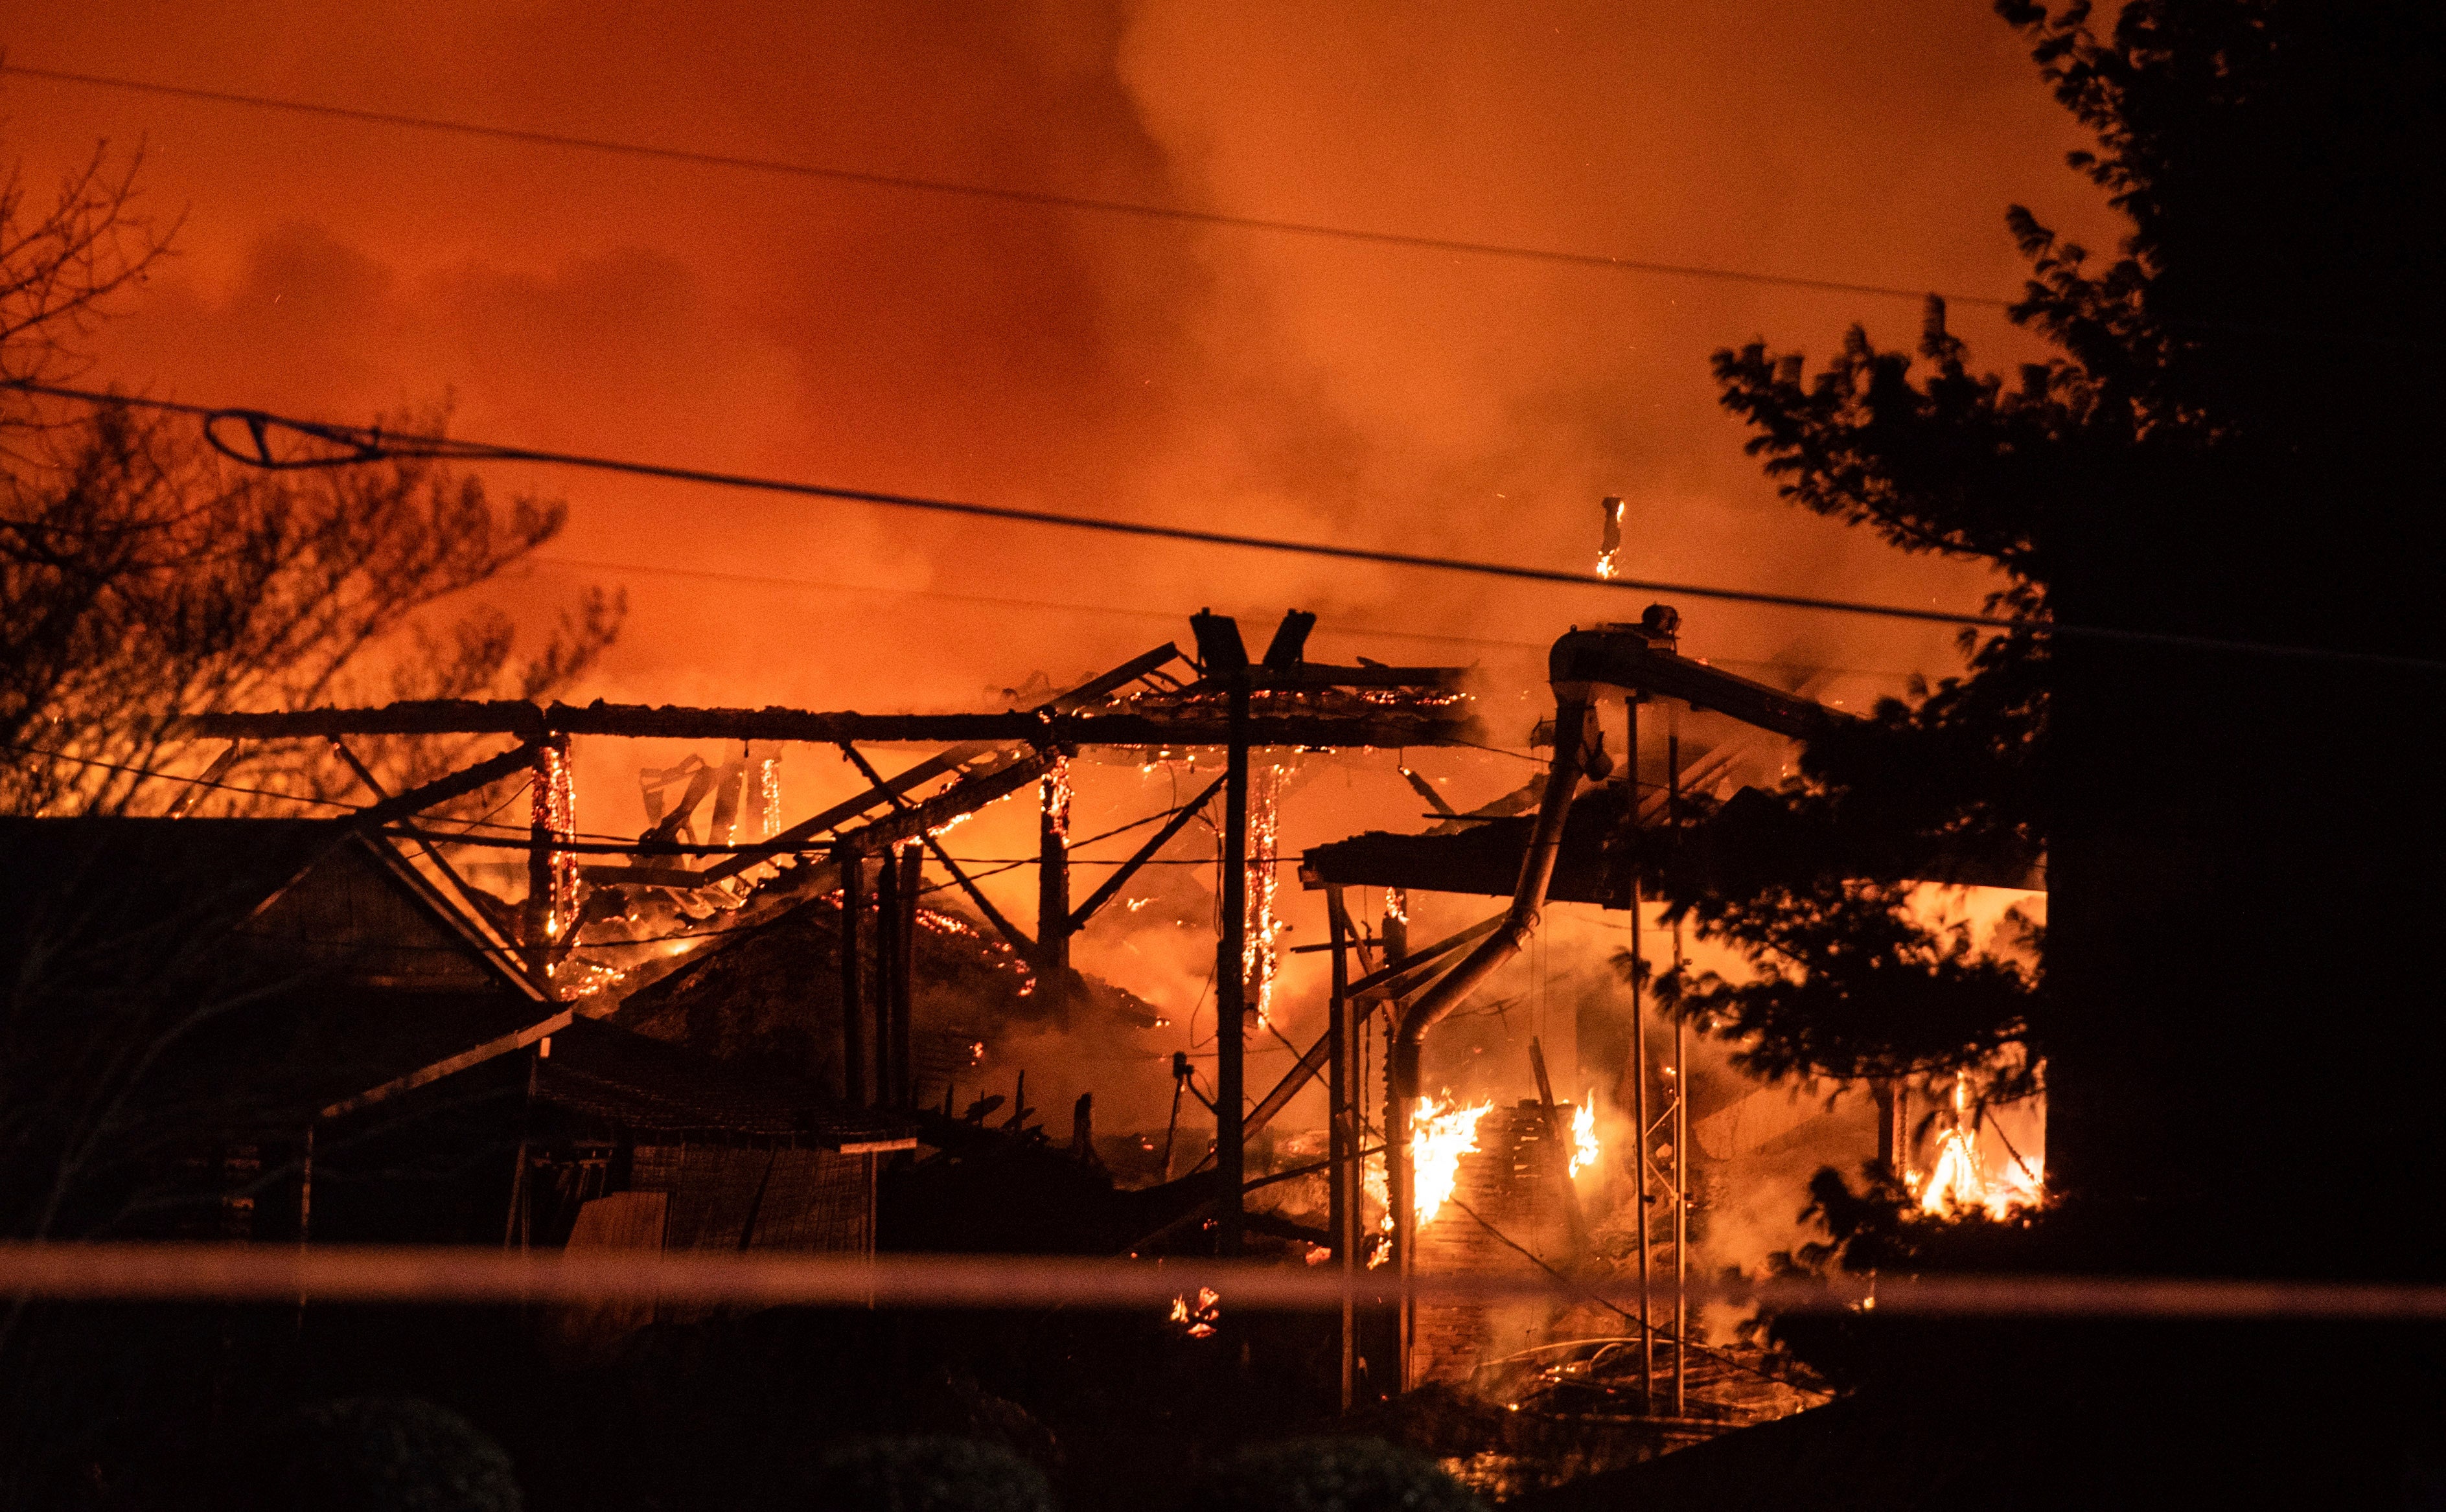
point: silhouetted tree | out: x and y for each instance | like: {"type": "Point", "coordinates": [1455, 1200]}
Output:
{"type": "Point", "coordinates": [2230, 443]}
{"type": "Point", "coordinates": [148, 578]}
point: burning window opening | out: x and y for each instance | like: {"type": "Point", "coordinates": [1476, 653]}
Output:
{"type": "Point", "coordinates": [1958, 1179]}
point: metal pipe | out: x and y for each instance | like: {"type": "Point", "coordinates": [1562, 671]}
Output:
{"type": "Point", "coordinates": [1527, 899]}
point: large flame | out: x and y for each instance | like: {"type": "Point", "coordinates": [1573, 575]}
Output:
{"type": "Point", "coordinates": [1584, 1133]}
{"type": "Point", "coordinates": [1440, 1134]}
{"type": "Point", "coordinates": [1957, 1179]}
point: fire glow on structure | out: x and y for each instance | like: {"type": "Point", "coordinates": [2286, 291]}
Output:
{"type": "Point", "coordinates": [1261, 955]}
{"type": "Point", "coordinates": [1440, 1134]}
{"type": "Point", "coordinates": [1957, 1180]}
{"type": "Point", "coordinates": [555, 813]}
{"type": "Point", "coordinates": [768, 798]}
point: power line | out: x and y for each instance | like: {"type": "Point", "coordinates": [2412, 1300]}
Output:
{"type": "Point", "coordinates": [358, 444]}
{"type": "Point", "coordinates": [1351, 631]}
{"type": "Point", "coordinates": [1017, 197]}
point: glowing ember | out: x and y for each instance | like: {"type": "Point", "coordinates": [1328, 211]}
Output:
{"type": "Point", "coordinates": [1584, 1133]}
{"type": "Point", "coordinates": [768, 798]}
{"type": "Point", "coordinates": [556, 813]}
{"type": "Point", "coordinates": [1260, 956]}
{"type": "Point", "coordinates": [1397, 904]}
{"type": "Point", "coordinates": [1440, 1134]}
{"type": "Point", "coordinates": [1057, 799]}
{"type": "Point", "coordinates": [1199, 1322]}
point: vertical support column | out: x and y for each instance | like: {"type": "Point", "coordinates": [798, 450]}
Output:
{"type": "Point", "coordinates": [852, 867]}
{"type": "Point", "coordinates": [551, 873]}
{"type": "Point", "coordinates": [1400, 1176]}
{"type": "Point", "coordinates": [886, 990]}
{"type": "Point", "coordinates": [1053, 880]}
{"type": "Point", "coordinates": [1341, 1135]}
{"type": "Point", "coordinates": [1639, 1080]}
{"type": "Point", "coordinates": [1681, 1113]}
{"type": "Point", "coordinates": [1231, 980]}
{"type": "Point", "coordinates": [904, 971]}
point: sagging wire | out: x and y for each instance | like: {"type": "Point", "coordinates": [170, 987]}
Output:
{"type": "Point", "coordinates": [352, 445]}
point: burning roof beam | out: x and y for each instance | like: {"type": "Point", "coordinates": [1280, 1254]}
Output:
{"type": "Point", "coordinates": [1170, 729]}
{"type": "Point", "coordinates": [1145, 854]}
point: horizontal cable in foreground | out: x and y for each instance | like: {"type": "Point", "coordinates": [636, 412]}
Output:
{"type": "Point", "coordinates": [448, 1274]}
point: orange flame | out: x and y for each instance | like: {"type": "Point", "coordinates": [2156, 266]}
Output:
{"type": "Point", "coordinates": [1440, 1134]}
{"type": "Point", "coordinates": [1957, 1179]}
{"type": "Point", "coordinates": [1199, 1322]}
{"type": "Point", "coordinates": [1584, 1133]}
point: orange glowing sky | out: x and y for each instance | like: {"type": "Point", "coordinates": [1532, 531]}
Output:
{"type": "Point", "coordinates": [899, 341]}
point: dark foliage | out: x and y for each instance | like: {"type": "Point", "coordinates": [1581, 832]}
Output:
{"type": "Point", "coordinates": [1329, 1475]}
{"type": "Point", "coordinates": [2245, 353]}
{"type": "Point", "coordinates": [385, 1454]}
{"type": "Point", "coordinates": [928, 1475]}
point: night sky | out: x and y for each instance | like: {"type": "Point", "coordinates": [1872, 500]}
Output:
{"type": "Point", "coordinates": [897, 340]}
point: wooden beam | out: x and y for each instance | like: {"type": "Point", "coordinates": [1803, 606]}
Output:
{"type": "Point", "coordinates": [940, 765]}
{"type": "Point", "coordinates": [1145, 854]}
{"type": "Point", "coordinates": [1172, 728]}
{"type": "Point", "coordinates": [415, 800]}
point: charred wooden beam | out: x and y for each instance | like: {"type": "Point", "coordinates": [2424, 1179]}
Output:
{"type": "Point", "coordinates": [1145, 854]}
{"type": "Point", "coordinates": [852, 867]}
{"type": "Point", "coordinates": [959, 756]}
{"type": "Point", "coordinates": [911, 863]}
{"type": "Point", "coordinates": [1013, 934]}
{"type": "Point", "coordinates": [441, 790]}
{"type": "Point", "coordinates": [1053, 883]}
{"type": "Point", "coordinates": [1169, 729]}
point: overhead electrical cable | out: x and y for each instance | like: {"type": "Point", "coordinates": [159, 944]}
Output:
{"type": "Point", "coordinates": [1346, 630]}
{"type": "Point", "coordinates": [359, 444]}
{"type": "Point", "coordinates": [1017, 197]}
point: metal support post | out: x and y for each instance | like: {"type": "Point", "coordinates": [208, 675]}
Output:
{"type": "Point", "coordinates": [1681, 1113]}
{"type": "Point", "coordinates": [1231, 979]}
{"type": "Point", "coordinates": [1639, 1087]}
{"type": "Point", "coordinates": [1342, 1136]}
